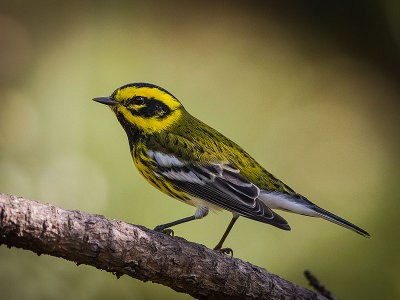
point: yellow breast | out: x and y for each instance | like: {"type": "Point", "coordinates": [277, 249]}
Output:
{"type": "Point", "coordinates": [145, 166]}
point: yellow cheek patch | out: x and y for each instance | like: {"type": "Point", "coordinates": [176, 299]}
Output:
{"type": "Point", "coordinates": [132, 91]}
{"type": "Point", "coordinates": [153, 124]}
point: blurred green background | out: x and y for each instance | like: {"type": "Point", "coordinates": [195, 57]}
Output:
{"type": "Point", "coordinates": [311, 90]}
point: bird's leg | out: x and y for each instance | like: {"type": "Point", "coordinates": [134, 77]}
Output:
{"type": "Point", "coordinates": [201, 212]}
{"type": "Point", "coordinates": [219, 245]}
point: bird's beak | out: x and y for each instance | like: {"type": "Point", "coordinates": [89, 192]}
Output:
{"type": "Point", "coordinates": [106, 100]}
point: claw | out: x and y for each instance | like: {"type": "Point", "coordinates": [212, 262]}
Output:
{"type": "Point", "coordinates": [166, 231]}
{"type": "Point", "coordinates": [227, 251]}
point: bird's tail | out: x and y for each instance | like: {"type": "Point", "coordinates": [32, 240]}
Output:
{"type": "Point", "coordinates": [337, 220]}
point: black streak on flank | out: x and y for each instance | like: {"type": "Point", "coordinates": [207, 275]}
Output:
{"type": "Point", "coordinates": [153, 181]}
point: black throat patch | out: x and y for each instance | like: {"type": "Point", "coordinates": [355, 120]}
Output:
{"type": "Point", "coordinates": [133, 133]}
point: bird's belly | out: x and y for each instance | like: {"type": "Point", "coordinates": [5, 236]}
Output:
{"type": "Point", "coordinates": [198, 202]}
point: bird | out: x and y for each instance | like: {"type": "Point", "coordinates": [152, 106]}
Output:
{"type": "Point", "coordinates": [194, 163]}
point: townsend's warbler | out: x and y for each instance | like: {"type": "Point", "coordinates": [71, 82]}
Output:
{"type": "Point", "coordinates": [194, 163]}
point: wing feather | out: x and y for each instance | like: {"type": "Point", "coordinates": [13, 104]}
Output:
{"type": "Point", "coordinates": [218, 183]}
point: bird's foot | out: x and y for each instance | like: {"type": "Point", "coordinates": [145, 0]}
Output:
{"type": "Point", "coordinates": [227, 251]}
{"type": "Point", "coordinates": [166, 231]}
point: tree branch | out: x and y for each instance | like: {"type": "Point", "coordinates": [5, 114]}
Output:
{"type": "Point", "coordinates": [139, 252]}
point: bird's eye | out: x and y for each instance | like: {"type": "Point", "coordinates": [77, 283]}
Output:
{"type": "Point", "coordinates": [138, 100]}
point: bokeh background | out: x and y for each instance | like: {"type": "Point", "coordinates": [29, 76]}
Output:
{"type": "Point", "coordinates": [310, 89]}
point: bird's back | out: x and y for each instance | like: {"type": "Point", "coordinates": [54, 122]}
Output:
{"type": "Point", "coordinates": [192, 140]}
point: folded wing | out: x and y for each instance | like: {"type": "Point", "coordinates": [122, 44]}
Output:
{"type": "Point", "coordinates": [218, 183]}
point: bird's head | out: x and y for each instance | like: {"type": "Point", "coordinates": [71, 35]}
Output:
{"type": "Point", "coordinates": [145, 106]}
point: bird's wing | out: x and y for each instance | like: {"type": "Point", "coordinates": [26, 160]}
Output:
{"type": "Point", "coordinates": [219, 183]}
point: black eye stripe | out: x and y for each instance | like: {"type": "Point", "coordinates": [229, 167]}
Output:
{"type": "Point", "coordinates": [153, 108]}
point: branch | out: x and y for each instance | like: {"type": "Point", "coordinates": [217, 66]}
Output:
{"type": "Point", "coordinates": [138, 252]}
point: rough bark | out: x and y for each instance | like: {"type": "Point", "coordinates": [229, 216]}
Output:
{"type": "Point", "coordinates": [139, 252]}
